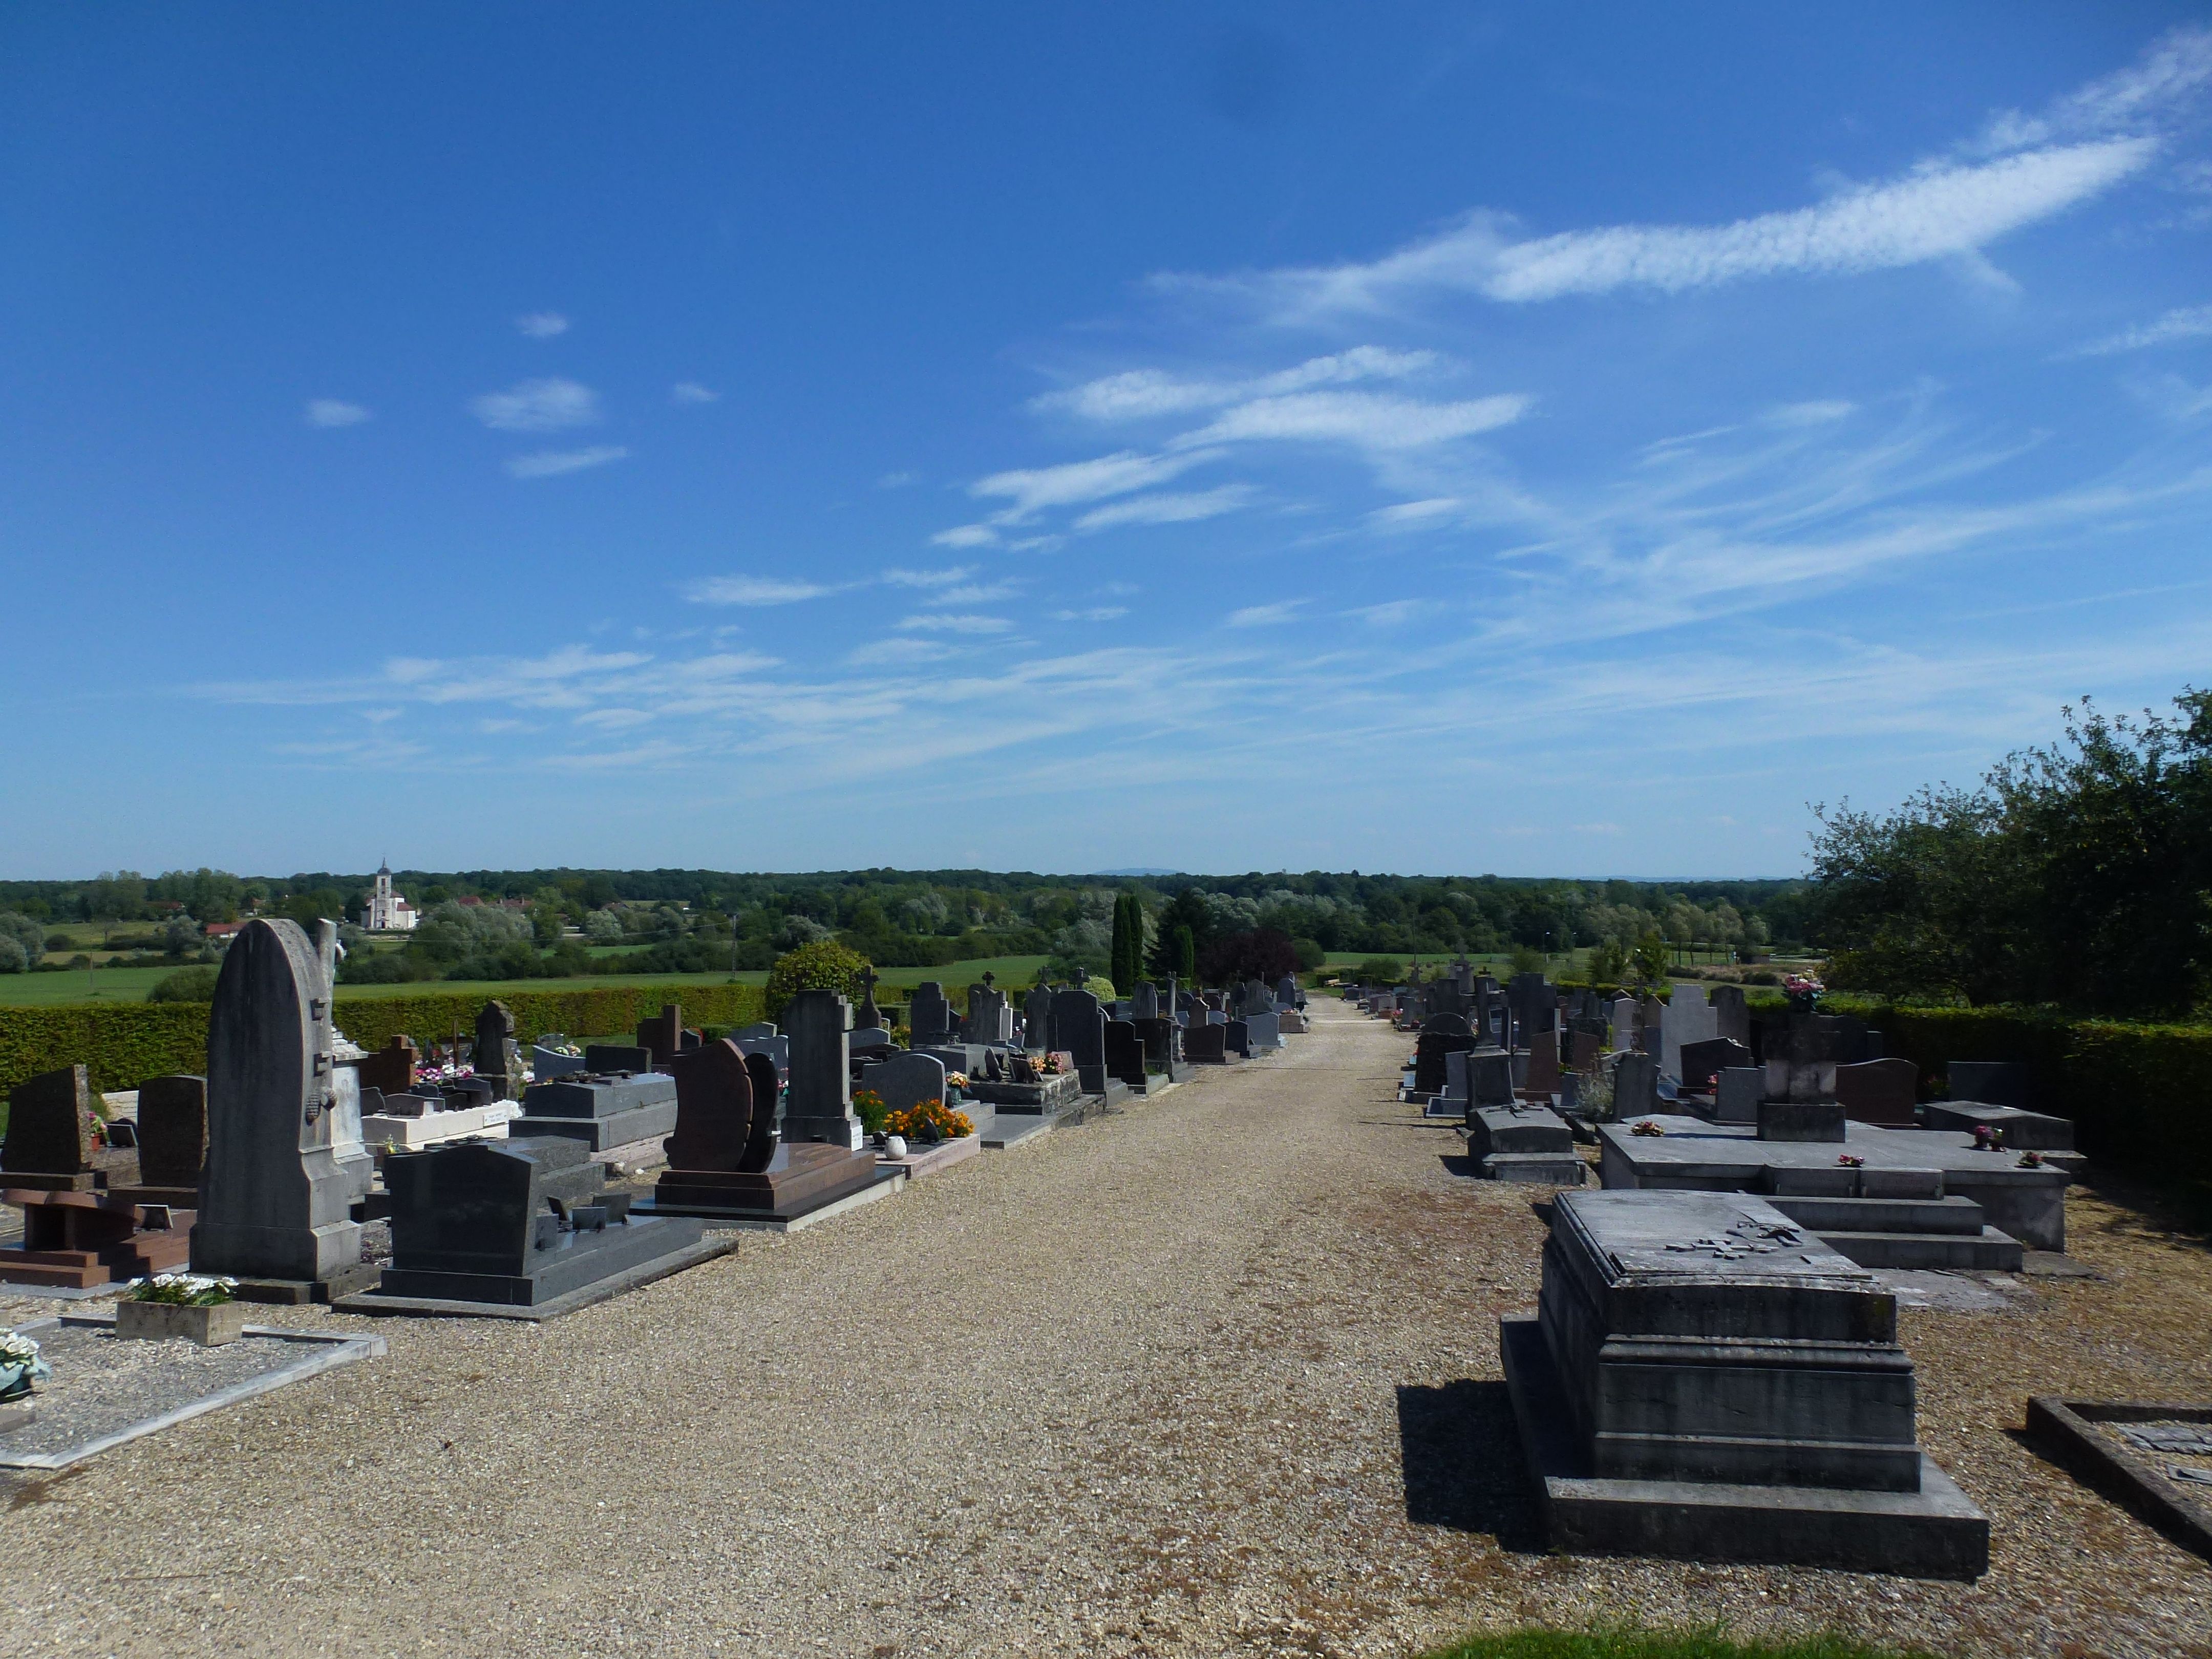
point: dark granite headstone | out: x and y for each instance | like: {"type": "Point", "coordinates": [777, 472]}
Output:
{"type": "Point", "coordinates": [172, 1131]}
{"type": "Point", "coordinates": [497, 1061]}
{"type": "Point", "coordinates": [1879, 1092]}
{"type": "Point", "coordinates": [50, 1138]}
{"type": "Point", "coordinates": [1634, 1086]}
{"type": "Point", "coordinates": [606, 1058]}
{"type": "Point", "coordinates": [714, 1109]}
{"type": "Point", "coordinates": [1703, 1061]}
{"type": "Point", "coordinates": [1124, 1053]}
{"type": "Point", "coordinates": [1205, 1045]}
{"type": "Point", "coordinates": [818, 1098]}
{"type": "Point", "coordinates": [661, 1035]}
{"type": "Point", "coordinates": [1078, 1026]}
{"type": "Point", "coordinates": [929, 1015]}
{"type": "Point", "coordinates": [1036, 1020]}
{"type": "Point", "coordinates": [1440, 1034]}
{"type": "Point", "coordinates": [1237, 1038]}
{"type": "Point", "coordinates": [867, 1015]}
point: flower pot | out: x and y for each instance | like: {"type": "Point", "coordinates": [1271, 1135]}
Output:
{"type": "Point", "coordinates": [210, 1327]}
{"type": "Point", "coordinates": [895, 1145]}
{"type": "Point", "coordinates": [16, 1380]}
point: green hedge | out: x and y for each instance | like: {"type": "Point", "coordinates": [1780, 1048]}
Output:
{"type": "Point", "coordinates": [124, 1043]}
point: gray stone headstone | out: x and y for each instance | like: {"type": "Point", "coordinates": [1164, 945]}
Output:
{"type": "Point", "coordinates": [1634, 1086]}
{"type": "Point", "coordinates": [1736, 1093]}
{"type": "Point", "coordinates": [495, 1053]}
{"type": "Point", "coordinates": [1731, 1016]}
{"type": "Point", "coordinates": [905, 1081]}
{"type": "Point", "coordinates": [990, 1019]}
{"type": "Point", "coordinates": [1688, 1018]}
{"type": "Point", "coordinates": [818, 1096]}
{"type": "Point", "coordinates": [1286, 992]}
{"type": "Point", "coordinates": [1264, 1032]}
{"type": "Point", "coordinates": [1620, 1019]}
{"type": "Point", "coordinates": [928, 1014]}
{"type": "Point", "coordinates": [1036, 1020]}
{"type": "Point", "coordinates": [1489, 1078]}
{"type": "Point", "coordinates": [1079, 1024]}
{"type": "Point", "coordinates": [273, 1201]}
{"type": "Point", "coordinates": [1145, 1002]}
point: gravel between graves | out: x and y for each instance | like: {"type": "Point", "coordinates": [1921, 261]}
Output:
{"type": "Point", "coordinates": [1216, 1375]}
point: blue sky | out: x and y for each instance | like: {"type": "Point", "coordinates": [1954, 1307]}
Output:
{"type": "Point", "coordinates": [1218, 438]}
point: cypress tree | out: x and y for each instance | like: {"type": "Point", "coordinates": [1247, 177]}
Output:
{"type": "Point", "coordinates": [1117, 953]}
{"type": "Point", "coordinates": [1186, 958]}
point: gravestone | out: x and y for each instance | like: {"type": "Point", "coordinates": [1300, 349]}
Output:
{"type": "Point", "coordinates": [867, 1015]}
{"type": "Point", "coordinates": [723, 1125]}
{"type": "Point", "coordinates": [1620, 1022]}
{"type": "Point", "coordinates": [1145, 1002]}
{"type": "Point", "coordinates": [1584, 1049]}
{"type": "Point", "coordinates": [1705, 1381]}
{"type": "Point", "coordinates": [1802, 1053]}
{"type": "Point", "coordinates": [1206, 1045]}
{"type": "Point", "coordinates": [1286, 992]}
{"type": "Point", "coordinates": [1992, 1082]}
{"type": "Point", "coordinates": [49, 1140]}
{"type": "Point", "coordinates": [1078, 1026]}
{"type": "Point", "coordinates": [611, 1059]}
{"type": "Point", "coordinates": [547, 1064]}
{"type": "Point", "coordinates": [391, 1070]}
{"type": "Point", "coordinates": [274, 1203]}
{"type": "Point", "coordinates": [1489, 1078]}
{"type": "Point", "coordinates": [753, 1033]}
{"type": "Point", "coordinates": [1124, 1052]}
{"type": "Point", "coordinates": [1542, 1076]}
{"type": "Point", "coordinates": [1534, 1003]}
{"type": "Point", "coordinates": [1737, 1091]}
{"type": "Point", "coordinates": [496, 1057]}
{"type": "Point", "coordinates": [929, 1015]}
{"type": "Point", "coordinates": [1264, 1032]}
{"type": "Point", "coordinates": [1702, 1062]}
{"type": "Point", "coordinates": [356, 1167]}
{"type": "Point", "coordinates": [1634, 1086]}
{"type": "Point", "coordinates": [173, 1136]}
{"type": "Point", "coordinates": [1731, 1016]}
{"type": "Point", "coordinates": [604, 1110]}
{"type": "Point", "coordinates": [765, 1040]}
{"type": "Point", "coordinates": [661, 1035]}
{"type": "Point", "coordinates": [1440, 1034]}
{"type": "Point", "coordinates": [990, 1018]}
{"type": "Point", "coordinates": [516, 1222]}
{"type": "Point", "coordinates": [1688, 1018]}
{"type": "Point", "coordinates": [1879, 1092]}
{"type": "Point", "coordinates": [906, 1081]}
{"type": "Point", "coordinates": [818, 1098]}
{"type": "Point", "coordinates": [1163, 1043]}
{"type": "Point", "coordinates": [1036, 1020]}
{"type": "Point", "coordinates": [1237, 1038]}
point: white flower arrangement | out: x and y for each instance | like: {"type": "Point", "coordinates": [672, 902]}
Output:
{"type": "Point", "coordinates": [19, 1354]}
{"type": "Point", "coordinates": [183, 1290]}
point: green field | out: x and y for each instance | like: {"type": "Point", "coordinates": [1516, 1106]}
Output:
{"type": "Point", "coordinates": [131, 984]}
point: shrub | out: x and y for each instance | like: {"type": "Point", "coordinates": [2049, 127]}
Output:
{"type": "Point", "coordinates": [14, 959]}
{"type": "Point", "coordinates": [27, 935]}
{"type": "Point", "coordinates": [821, 965]}
{"type": "Point", "coordinates": [1380, 970]}
{"type": "Point", "coordinates": [868, 1106]}
{"type": "Point", "coordinates": [185, 985]}
{"type": "Point", "coordinates": [1311, 954]}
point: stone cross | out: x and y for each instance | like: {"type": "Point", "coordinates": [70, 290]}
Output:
{"type": "Point", "coordinates": [868, 1013]}
{"type": "Point", "coordinates": [495, 1046]}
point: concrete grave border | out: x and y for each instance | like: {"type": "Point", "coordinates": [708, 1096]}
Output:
{"type": "Point", "coordinates": [605, 1290]}
{"type": "Point", "coordinates": [2064, 1431]}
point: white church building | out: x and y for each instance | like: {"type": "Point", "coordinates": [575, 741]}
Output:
{"type": "Point", "coordinates": [388, 913]}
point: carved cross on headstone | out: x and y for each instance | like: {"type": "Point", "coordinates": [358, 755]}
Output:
{"type": "Point", "coordinates": [990, 979]}
{"type": "Point", "coordinates": [868, 1014]}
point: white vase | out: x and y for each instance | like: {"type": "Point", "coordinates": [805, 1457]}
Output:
{"type": "Point", "coordinates": [895, 1146]}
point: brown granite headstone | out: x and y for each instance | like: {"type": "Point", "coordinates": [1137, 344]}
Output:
{"type": "Point", "coordinates": [1542, 1077]}
{"type": "Point", "coordinates": [391, 1069]}
{"type": "Point", "coordinates": [714, 1108]}
{"type": "Point", "coordinates": [172, 1131]}
{"type": "Point", "coordinates": [50, 1140]}
{"type": "Point", "coordinates": [662, 1036]}
{"type": "Point", "coordinates": [1879, 1092]}
{"type": "Point", "coordinates": [493, 1058]}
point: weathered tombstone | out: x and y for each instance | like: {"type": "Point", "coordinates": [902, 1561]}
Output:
{"type": "Point", "coordinates": [1542, 1077]}
{"type": "Point", "coordinates": [1145, 1002]}
{"type": "Point", "coordinates": [1688, 1018]}
{"type": "Point", "coordinates": [990, 1019]}
{"type": "Point", "coordinates": [1206, 1045]}
{"type": "Point", "coordinates": [929, 1015]}
{"type": "Point", "coordinates": [495, 1059]}
{"type": "Point", "coordinates": [1703, 1062]}
{"type": "Point", "coordinates": [1992, 1082]}
{"type": "Point", "coordinates": [1440, 1035]}
{"type": "Point", "coordinates": [1264, 1032]}
{"type": "Point", "coordinates": [1161, 1039]}
{"type": "Point", "coordinates": [905, 1081]}
{"type": "Point", "coordinates": [661, 1035]}
{"type": "Point", "coordinates": [1621, 1020]}
{"type": "Point", "coordinates": [1124, 1053]}
{"type": "Point", "coordinates": [1802, 1053]}
{"type": "Point", "coordinates": [1078, 1026]}
{"type": "Point", "coordinates": [391, 1070]}
{"type": "Point", "coordinates": [1534, 1003]}
{"type": "Point", "coordinates": [274, 1203]}
{"type": "Point", "coordinates": [49, 1140]}
{"type": "Point", "coordinates": [1692, 1342]}
{"type": "Point", "coordinates": [1731, 1015]}
{"type": "Point", "coordinates": [1489, 1078]}
{"type": "Point", "coordinates": [172, 1141]}
{"type": "Point", "coordinates": [1736, 1093]}
{"type": "Point", "coordinates": [818, 1099]}
{"type": "Point", "coordinates": [1583, 1050]}
{"type": "Point", "coordinates": [1036, 1020]}
{"type": "Point", "coordinates": [1634, 1086]}
{"type": "Point", "coordinates": [867, 1014]}
{"type": "Point", "coordinates": [513, 1224]}
{"type": "Point", "coordinates": [1879, 1092]}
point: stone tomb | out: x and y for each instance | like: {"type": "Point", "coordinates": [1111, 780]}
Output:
{"type": "Point", "coordinates": [1441, 1035]}
{"type": "Point", "coordinates": [1915, 1199]}
{"type": "Point", "coordinates": [1879, 1092]}
{"type": "Point", "coordinates": [495, 1058]}
{"type": "Point", "coordinates": [906, 1080]}
{"type": "Point", "coordinates": [77, 1241]}
{"type": "Point", "coordinates": [1705, 1382]}
{"type": "Point", "coordinates": [50, 1140]}
{"type": "Point", "coordinates": [1524, 1143]}
{"type": "Point", "coordinates": [1264, 1032]}
{"type": "Point", "coordinates": [601, 1110]}
{"type": "Point", "coordinates": [2021, 1131]}
{"type": "Point", "coordinates": [1080, 1024]}
{"type": "Point", "coordinates": [173, 1138]}
{"type": "Point", "coordinates": [1207, 1045]}
{"type": "Point", "coordinates": [724, 1162]}
{"type": "Point", "coordinates": [929, 1015]}
{"type": "Point", "coordinates": [545, 1065]}
{"type": "Point", "coordinates": [515, 1224]}
{"type": "Point", "coordinates": [274, 1204]}
{"type": "Point", "coordinates": [614, 1059]}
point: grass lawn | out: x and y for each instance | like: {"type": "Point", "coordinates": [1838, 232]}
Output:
{"type": "Point", "coordinates": [100, 985]}
{"type": "Point", "coordinates": [1655, 1644]}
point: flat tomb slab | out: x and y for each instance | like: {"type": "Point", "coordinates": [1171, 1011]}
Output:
{"type": "Point", "coordinates": [704, 1247]}
{"type": "Point", "coordinates": [923, 1159]}
{"type": "Point", "coordinates": [1537, 1169]}
{"type": "Point", "coordinates": [574, 1261]}
{"type": "Point", "coordinates": [106, 1392]}
{"type": "Point", "coordinates": [2150, 1457]}
{"type": "Point", "coordinates": [1934, 1532]}
{"type": "Point", "coordinates": [1522, 1129]}
{"type": "Point", "coordinates": [881, 1181]}
{"type": "Point", "coordinates": [2023, 1131]}
{"type": "Point", "coordinates": [603, 1134]}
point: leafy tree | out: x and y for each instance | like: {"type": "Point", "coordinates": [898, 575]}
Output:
{"type": "Point", "coordinates": [186, 985]}
{"type": "Point", "coordinates": [1184, 926]}
{"type": "Point", "coordinates": [1649, 960]}
{"type": "Point", "coordinates": [1260, 953]}
{"type": "Point", "coordinates": [29, 938]}
{"type": "Point", "coordinates": [823, 965]}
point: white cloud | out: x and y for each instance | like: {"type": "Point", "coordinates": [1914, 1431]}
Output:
{"type": "Point", "coordinates": [2186, 322]}
{"type": "Point", "coordinates": [967, 535]}
{"type": "Point", "coordinates": [550, 462]}
{"type": "Point", "coordinates": [1097, 613]}
{"type": "Point", "coordinates": [1033, 489]}
{"type": "Point", "coordinates": [956, 624]}
{"type": "Point", "coordinates": [945, 578]}
{"type": "Point", "coordinates": [1266, 616]}
{"type": "Point", "coordinates": [548, 405]}
{"type": "Point", "coordinates": [888, 652]}
{"type": "Point", "coordinates": [1818, 412]}
{"type": "Point", "coordinates": [1145, 392]}
{"type": "Point", "coordinates": [755, 590]}
{"type": "Point", "coordinates": [2175, 67]}
{"type": "Point", "coordinates": [975, 594]}
{"type": "Point", "coordinates": [898, 480]}
{"type": "Point", "coordinates": [1394, 612]}
{"type": "Point", "coordinates": [690, 391]}
{"type": "Point", "coordinates": [1367, 420]}
{"type": "Point", "coordinates": [1167, 509]}
{"type": "Point", "coordinates": [1937, 210]}
{"type": "Point", "coordinates": [331, 411]}
{"type": "Point", "coordinates": [1402, 515]}
{"type": "Point", "coordinates": [542, 325]}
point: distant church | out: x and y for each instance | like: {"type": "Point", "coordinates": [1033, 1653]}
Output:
{"type": "Point", "coordinates": [388, 913]}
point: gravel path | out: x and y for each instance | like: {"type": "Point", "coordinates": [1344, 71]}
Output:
{"type": "Point", "coordinates": [1216, 1375]}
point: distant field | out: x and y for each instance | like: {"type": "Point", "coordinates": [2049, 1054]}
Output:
{"type": "Point", "coordinates": [131, 984]}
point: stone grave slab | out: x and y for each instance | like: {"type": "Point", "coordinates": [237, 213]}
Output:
{"type": "Point", "coordinates": [2151, 1457]}
{"type": "Point", "coordinates": [2023, 1131]}
{"type": "Point", "coordinates": [1992, 1082]}
{"type": "Point", "coordinates": [49, 1142]}
{"type": "Point", "coordinates": [171, 1142]}
{"type": "Point", "coordinates": [603, 1111]}
{"type": "Point", "coordinates": [78, 1240]}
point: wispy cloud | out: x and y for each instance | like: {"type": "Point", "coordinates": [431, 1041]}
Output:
{"type": "Point", "coordinates": [1097, 613]}
{"type": "Point", "coordinates": [1365, 420]}
{"type": "Point", "coordinates": [542, 325]}
{"type": "Point", "coordinates": [690, 391]}
{"type": "Point", "coordinates": [550, 462]}
{"type": "Point", "coordinates": [1403, 515]}
{"type": "Point", "coordinates": [756, 590]}
{"type": "Point", "coordinates": [1266, 616]}
{"type": "Point", "coordinates": [546, 405]}
{"type": "Point", "coordinates": [880, 654]}
{"type": "Point", "coordinates": [898, 480]}
{"type": "Point", "coordinates": [936, 623]}
{"type": "Point", "coordinates": [966, 535]}
{"type": "Point", "coordinates": [1142, 393]}
{"type": "Point", "coordinates": [332, 411]}
{"type": "Point", "coordinates": [1034, 488]}
{"type": "Point", "coordinates": [2139, 99]}
{"type": "Point", "coordinates": [945, 578]}
{"type": "Point", "coordinates": [975, 594]}
{"type": "Point", "coordinates": [2184, 322]}
{"type": "Point", "coordinates": [1167, 508]}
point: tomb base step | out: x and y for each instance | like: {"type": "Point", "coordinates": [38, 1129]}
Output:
{"type": "Point", "coordinates": [888, 1179]}
{"type": "Point", "coordinates": [1013, 1129]}
{"type": "Point", "coordinates": [1954, 1215]}
{"type": "Point", "coordinates": [1537, 1169]}
{"type": "Point", "coordinates": [923, 1159]}
{"type": "Point", "coordinates": [24, 1267]}
{"type": "Point", "coordinates": [1933, 1533]}
{"type": "Point", "coordinates": [1439, 1106]}
{"type": "Point", "coordinates": [703, 1248]}
{"type": "Point", "coordinates": [603, 1133]}
{"type": "Point", "coordinates": [177, 1198]}
{"type": "Point", "coordinates": [295, 1292]}
{"type": "Point", "coordinates": [1988, 1251]}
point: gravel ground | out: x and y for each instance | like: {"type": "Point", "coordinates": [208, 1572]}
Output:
{"type": "Point", "coordinates": [1216, 1375]}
